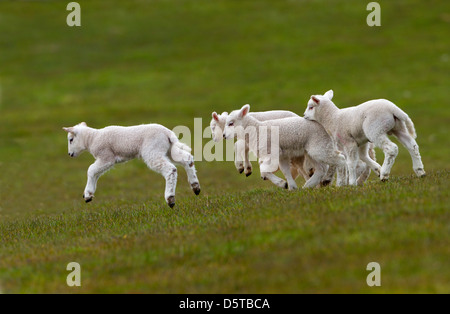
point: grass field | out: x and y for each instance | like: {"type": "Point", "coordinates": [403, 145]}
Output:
{"type": "Point", "coordinates": [169, 61]}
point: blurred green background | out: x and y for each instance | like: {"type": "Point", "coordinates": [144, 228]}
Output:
{"type": "Point", "coordinates": [168, 61]}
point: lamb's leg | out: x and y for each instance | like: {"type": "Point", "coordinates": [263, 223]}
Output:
{"type": "Point", "coordinates": [364, 164]}
{"type": "Point", "coordinates": [94, 172]}
{"type": "Point", "coordinates": [285, 168]}
{"type": "Point", "coordinates": [390, 153]}
{"type": "Point", "coordinates": [274, 179]}
{"type": "Point", "coordinates": [163, 166]}
{"type": "Point", "coordinates": [371, 152]}
{"type": "Point", "coordinates": [319, 172]}
{"type": "Point", "coordinates": [411, 145]}
{"type": "Point", "coordinates": [362, 172]}
{"type": "Point", "coordinates": [267, 175]}
{"type": "Point", "coordinates": [364, 155]}
{"type": "Point", "coordinates": [239, 150]}
{"type": "Point", "coordinates": [342, 176]}
{"type": "Point", "coordinates": [247, 163]}
{"type": "Point", "coordinates": [188, 164]}
{"type": "Point", "coordinates": [352, 161]}
{"type": "Point", "coordinates": [328, 155]}
{"type": "Point", "coordinates": [328, 178]}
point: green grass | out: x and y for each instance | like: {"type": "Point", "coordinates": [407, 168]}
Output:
{"type": "Point", "coordinates": [266, 240]}
{"type": "Point", "coordinates": [169, 61]}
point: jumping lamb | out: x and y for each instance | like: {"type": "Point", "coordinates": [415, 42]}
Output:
{"type": "Point", "coordinates": [242, 162]}
{"type": "Point", "coordinates": [155, 144]}
{"type": "Point", "coordinates": [296, 137]}
{"type": "Point", "coordinates": [355, 127]}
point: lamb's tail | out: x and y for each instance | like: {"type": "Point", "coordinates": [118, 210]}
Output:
{"type": "Point", "coordinates": [401, 115]}
{"type": "Point", "coordinates": [179, 152]}
{"type": "Point", "coordinates": [173, 139]}
{"type": "Point", "coordinates": [410, 127]}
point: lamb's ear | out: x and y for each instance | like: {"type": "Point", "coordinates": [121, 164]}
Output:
{"type": "Point", "coordinates": [244, 110]}
{"type": "Point", "coordinates": [329, 94]}
{"type": "Point", "coordinates": [315, 99]}
{"type": "Point", "coordinates": [83, 124]}
{"type": "Point", "coordinates": [69, 130]}
{"type": "Point", "coordinates": [215, 116]}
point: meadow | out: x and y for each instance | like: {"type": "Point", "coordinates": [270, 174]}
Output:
{"type": "Point", "coordinates": [170, 61]}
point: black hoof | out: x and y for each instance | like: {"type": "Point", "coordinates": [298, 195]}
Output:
{"type": "Point", "coordinates": [171, 201]}
{"type": "Point", "coordinates": [196, 188]}
{"type": "Point", "coordinates": [286, 186]}
{"type": "Point", "coordinates": [420, 173]}
{"type": "Point", "coordinates": [247, 174]}
{"type": "Point", "coordinates": [325, 183]}
{"type": "Point", "coordinates": [241, 170]}
{"type": "Point", "coordinates": [88, 200]}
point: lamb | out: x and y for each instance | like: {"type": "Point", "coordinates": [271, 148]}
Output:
{"type": "Point", "coordinates": [298, 166]}
{"type": "Point", "coordinates": [155, 144]}
{"type": "Point", "coordinates": [355, 127]}
{"type": "Point", "coordinates": [297, 137]}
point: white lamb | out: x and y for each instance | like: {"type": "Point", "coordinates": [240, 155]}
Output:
{"type": "Point", "coordinates": [242, 162]}
{"type": "Point", "coordinates": [300, 165]}
{"type": "Point", "coordinates": [355, 127]}
{"type": "Point", "coordinates": [155, 144]}
{"type": "Point", "coordinates": [297, 137]}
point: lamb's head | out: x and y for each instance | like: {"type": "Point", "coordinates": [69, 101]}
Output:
{"type": "Point", "coordinates": [234, 121]}
{"type": "Point", "coordinates": [217, 125]}
{"type": "Point", "coordinates": [75, 139]}
{"type": "Point", "coordinates": [315, 104]}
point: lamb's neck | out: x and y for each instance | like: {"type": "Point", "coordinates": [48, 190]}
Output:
{"type": "Point", "coordinates": [328, 116]}
{"type": "Point", "coordinates": [88, 136]}
{"type": "Point", "coordinates": [250, 121]}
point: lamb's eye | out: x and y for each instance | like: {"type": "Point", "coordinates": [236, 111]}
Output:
{"type": "Point", "coordinates": [230, 124]}
{"type": "Point", "coordinates": [71, 140]}
{"type": "Point", "coordinates": [311, 108]}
